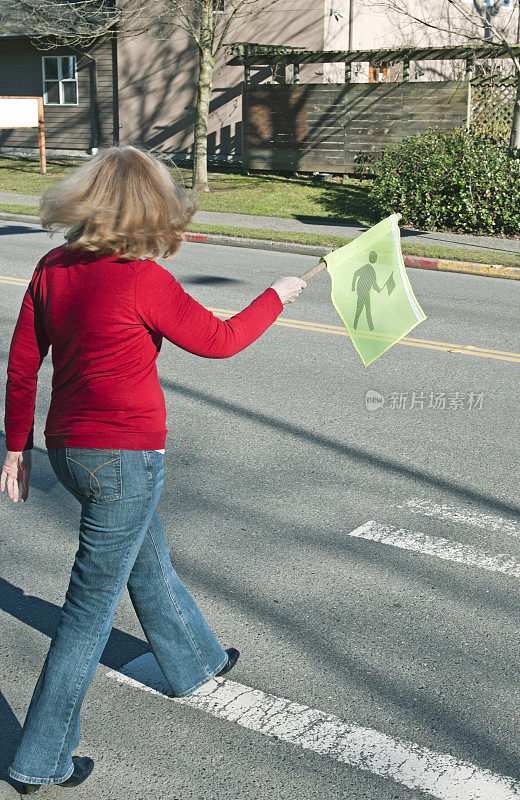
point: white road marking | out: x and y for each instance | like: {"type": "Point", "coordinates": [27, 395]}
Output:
{"type": "Point", "coordinates": [437, 546]}
{"type": "Point", "coordinates": [486, 522]}
{"type": "Point", "coordinates": [438, 774]}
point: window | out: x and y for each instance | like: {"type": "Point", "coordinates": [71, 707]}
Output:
{"type": "Point", "coordinates": [60, 81]}
{"type": "Point", "coordinates": [377, 74]}
{"type": "Point", "coordinates": [219, 6]}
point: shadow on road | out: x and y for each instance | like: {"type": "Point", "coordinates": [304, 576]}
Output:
{"type": "Point", "coordinates": [204, 280]}
{"type": "Point", "coordinates": [10, 230]}
{"type": "Point", "coordinates": [339, 655]}
{"type": "Point", "coordinates": [375, 461]}
{"type": "Point", "coordinates": [43, 617]}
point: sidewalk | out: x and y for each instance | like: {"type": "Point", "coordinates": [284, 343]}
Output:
{"type": "Point", "coordinates": [488, 244]}
{"type": "Point", "coordinates": [266, 233]}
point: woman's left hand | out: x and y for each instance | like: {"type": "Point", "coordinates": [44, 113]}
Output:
{"type": "Point", "coordinates": [17, 467]}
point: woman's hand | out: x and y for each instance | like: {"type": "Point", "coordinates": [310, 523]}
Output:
{"type": "Point", "coordinates": [288, 288]}
{"type": "Point", "coordinates": [17, 467]}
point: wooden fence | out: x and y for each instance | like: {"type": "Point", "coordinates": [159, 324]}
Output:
{"type": "Point", "coordinates": [323, 128]}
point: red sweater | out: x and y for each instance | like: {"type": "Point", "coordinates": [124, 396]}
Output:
{"type": "Point", "coordinates": [105, 319]}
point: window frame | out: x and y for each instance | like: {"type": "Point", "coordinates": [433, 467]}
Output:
{"type": "Point", "coordinates": [60, 80]}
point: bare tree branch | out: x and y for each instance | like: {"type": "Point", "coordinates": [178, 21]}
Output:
{"type": "Point", "coordinates": [474, 18]}
{"type": "Point", "coordinates": [481, 27]}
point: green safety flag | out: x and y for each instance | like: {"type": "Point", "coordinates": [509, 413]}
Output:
{"type": "Point", "coordinates": [371, 291]}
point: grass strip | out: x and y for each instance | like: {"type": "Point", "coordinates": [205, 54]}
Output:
{"type": "Point", "coordinates": [259, 194]}
{"type": "Point", "coordinates": [13, 209]}
{"type": "Point", "coordinates": [332, 242]}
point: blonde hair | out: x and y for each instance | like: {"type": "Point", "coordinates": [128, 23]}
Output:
{"type": "Point", "coordinates": [123, 201]}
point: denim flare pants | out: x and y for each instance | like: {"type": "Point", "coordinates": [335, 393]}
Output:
{"type": "Point", "coordinates": [121, 542]}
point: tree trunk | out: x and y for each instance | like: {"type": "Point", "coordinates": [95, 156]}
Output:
{"type": "Point", "coordinates": [514, 141]}
{"type": "Point", "coordinates": [200, 144]}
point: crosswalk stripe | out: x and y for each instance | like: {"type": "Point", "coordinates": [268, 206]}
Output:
{"type": "Point", "coordinates": [439, 774]}
{"type": "Point", "coordinates": [486, 522]}
{"type": "Point", "coordinates": [445, 549]}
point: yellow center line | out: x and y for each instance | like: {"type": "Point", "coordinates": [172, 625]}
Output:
{"type": "Point", "coordinates": [318, 327]}
{"type": "Point", "coordinates": [16, 281]}
{"type": "Point", "coordinates": [326, 328]}
{"type": "Point", "coordinates": [471, 350]}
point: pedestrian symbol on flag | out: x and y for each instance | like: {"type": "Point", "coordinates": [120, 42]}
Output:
{"type": "Point", "coordinates": [390, 284]}
{"type": "Point", "coordinates": [371, 291]}
{"type": "Point", "coordinates": [363, 282]}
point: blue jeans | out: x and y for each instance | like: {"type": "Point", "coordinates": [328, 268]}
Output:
{"type": "Point", "coordinates": [121, 542]}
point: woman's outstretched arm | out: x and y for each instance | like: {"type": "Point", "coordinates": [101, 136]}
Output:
{"type": "Point", "coordinates": [167, 309]}
{"type": "Point", "coordinates": [29, 346]}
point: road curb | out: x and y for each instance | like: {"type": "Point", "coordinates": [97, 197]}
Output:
{"type": "Point", "coordinates": [19, 217]}
{"type": "Point", "coordinates": [468, 267]}
{"type": "Point", "coordinates": [415, 262]}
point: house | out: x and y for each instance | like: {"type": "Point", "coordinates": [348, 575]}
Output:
{"type": "Point", "coordinates": [142, 88]}
{"type": "Point", "coordinates": [78, 85]}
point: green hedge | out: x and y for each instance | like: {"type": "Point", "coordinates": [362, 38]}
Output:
{"type": "Point", "coordinates": [450, 180]}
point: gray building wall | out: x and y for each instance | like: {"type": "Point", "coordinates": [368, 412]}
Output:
{"type": "Point", "coordinates": [158, 77]}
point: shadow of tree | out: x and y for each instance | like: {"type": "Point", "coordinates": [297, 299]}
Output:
{"type": "Point", "coordinates": [376, 462]}
{"type": "Point", "coordinates": [11, 230]}
{"type": "Point", "coordinates": [43, 617]}
{"type": "Point", "coordinates": [338, 656]}
{"type": "Point", "coordinates": [204, 280]}
{"type": "Point", "coordinates": [344, 203]}
{"type": "Point", "coordinates": [11, 732]}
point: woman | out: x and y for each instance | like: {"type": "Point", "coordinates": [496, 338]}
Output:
{"type": "Point", "coordinates": [105, 306]}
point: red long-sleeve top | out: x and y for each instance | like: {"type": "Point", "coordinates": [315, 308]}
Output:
{"type": "Point", "coordinates": [105, 319]}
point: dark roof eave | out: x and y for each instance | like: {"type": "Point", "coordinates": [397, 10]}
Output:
{"type": "Point", "coordinates": [88, 35]}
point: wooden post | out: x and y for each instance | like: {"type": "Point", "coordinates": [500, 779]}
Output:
{"type": "Point", "coordinates": [293, 73]}
{"type": "Point", "coordinates": [41, 137]}
{"type": "Point", "coordinates": [247, 74]}
{"type": "Point", "coordinates": [470, 66]}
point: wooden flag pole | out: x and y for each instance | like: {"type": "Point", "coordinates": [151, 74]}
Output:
{"type": "Point", "coordinates": [311, 272]}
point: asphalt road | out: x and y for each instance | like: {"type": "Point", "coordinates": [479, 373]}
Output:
{"type": "Point", "coordinates": [272, 460]}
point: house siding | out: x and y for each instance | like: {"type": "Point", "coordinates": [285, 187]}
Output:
{"type": "Point", "coordinates": [66, 127]}
{"type": "Point", "coordinates": [158, 79]}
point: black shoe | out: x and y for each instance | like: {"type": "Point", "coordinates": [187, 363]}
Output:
{"type": "Point", "coordinates": [233, 655]}
{"type": "Point", "coordinates": [29, 788]}
{"type": "Point", "coordinates": [82, 768]}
